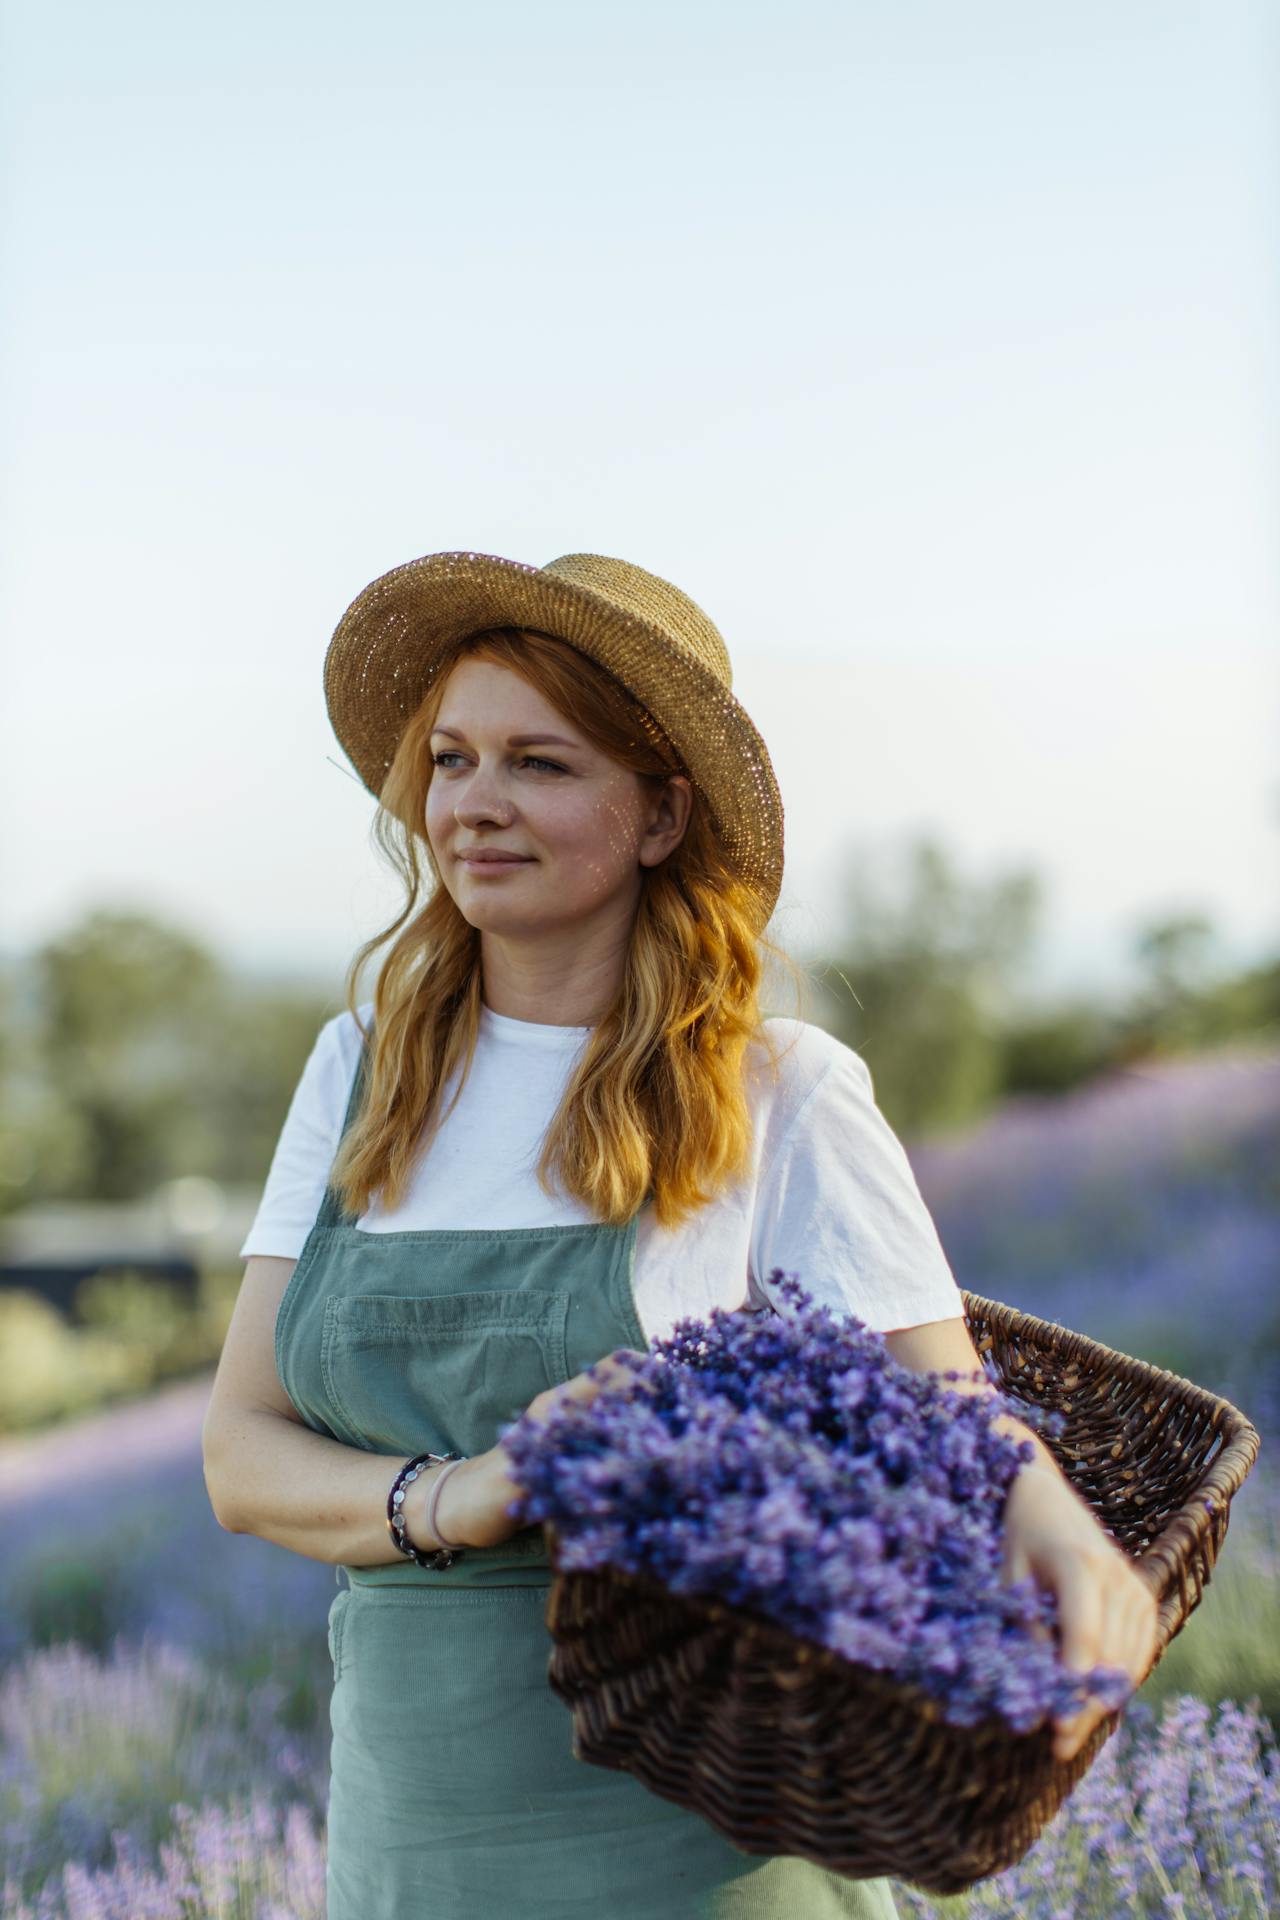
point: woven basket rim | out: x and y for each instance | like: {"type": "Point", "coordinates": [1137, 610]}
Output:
{"type": "Point", "coordinates": [1242, 1441]}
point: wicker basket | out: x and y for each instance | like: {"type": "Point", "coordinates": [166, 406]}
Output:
{"type": "Point", "coordinates": [788, 1748]}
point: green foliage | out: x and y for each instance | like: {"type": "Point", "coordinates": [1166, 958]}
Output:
{"type": "Point", "coordinates": [129, 1056]}
{"type": "Point", "coordinates": [66, 1596]}
{"type": "Point", "coordinates": [138, 1309]}
{"type": "Point", "coordinates": [52, 1370]}
{"type": "Point", "coordinates": [1053, 1051]}
{"type": "Point", "coordinates": [131, 1331]}
{"type": "Point", "coordinates": [128, 1006]}
{"type": "Point", "coordinates": [1183, 1007]}
{"type": "Point", "coordinates": [927, 982]}
{"type": "Point", "coordinates": [1229, 1648]}
{"type": "Point", "coordinates": [919, 980]}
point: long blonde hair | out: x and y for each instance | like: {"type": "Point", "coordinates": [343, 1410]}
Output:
{"type": "Point", "coordinates": [657, 1103]}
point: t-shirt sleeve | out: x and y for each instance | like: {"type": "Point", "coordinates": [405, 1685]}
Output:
{"type": "Point", "coordinates": [307, 1144]}
{"type": "Point", "coordinates": [837, 1204]}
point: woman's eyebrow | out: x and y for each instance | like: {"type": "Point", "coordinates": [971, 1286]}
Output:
{"type": "Point", "coordinates": [518, 739]}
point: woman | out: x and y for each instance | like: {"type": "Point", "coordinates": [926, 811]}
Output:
{"type": "Point", "coordinates": [560, 1125]}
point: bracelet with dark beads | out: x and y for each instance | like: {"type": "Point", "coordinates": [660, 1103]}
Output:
{"type": "Point", "coordinates": [434, 1558]}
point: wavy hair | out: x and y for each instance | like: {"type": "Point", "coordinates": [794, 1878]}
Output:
{"type": "Point", "coordinates": [657, 1104]}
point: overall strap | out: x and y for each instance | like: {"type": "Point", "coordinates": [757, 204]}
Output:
{"type": "Point", "coordinates": [331, 1210]}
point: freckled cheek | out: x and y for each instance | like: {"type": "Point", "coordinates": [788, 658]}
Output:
{"type": "Point", "coordinates": [604, 846]}
{"type": "Point", "coordinates": [440, 826]}
{"type": "Point", "coordinates": [615, 828]}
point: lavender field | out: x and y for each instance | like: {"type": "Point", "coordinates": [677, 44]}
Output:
{"type": "Point", "coordinates": [164, 1685]}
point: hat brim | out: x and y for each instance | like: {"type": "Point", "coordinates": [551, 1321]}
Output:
{"type": "Point", "coordinates": [390, 642]}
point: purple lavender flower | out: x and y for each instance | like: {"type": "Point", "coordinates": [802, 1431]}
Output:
{"type": "Point", "coordinates": [243, 1858]}
{"type": "Point", "coordinates": [1179, 1817]}
{"type": "Point", "coordinates": [94, 1751]}
{"type": "Point", "coordinates": [786, 1463]}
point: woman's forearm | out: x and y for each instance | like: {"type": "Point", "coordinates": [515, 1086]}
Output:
{"type": "Point", "coordinates": [282, 1481]}
{"type": "Point", "coordinates": [1014, 1429]}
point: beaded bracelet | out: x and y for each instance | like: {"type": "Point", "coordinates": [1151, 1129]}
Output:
{"type": "Point", "coordinates": [436, 1559]}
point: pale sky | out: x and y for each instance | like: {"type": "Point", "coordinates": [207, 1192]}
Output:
{"type": "Point", "coordinates": [931, 349]}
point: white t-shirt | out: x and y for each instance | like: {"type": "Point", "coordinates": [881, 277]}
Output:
{"type": "Point", "coordinates": [829, 1196]}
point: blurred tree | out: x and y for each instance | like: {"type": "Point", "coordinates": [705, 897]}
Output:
{"type": "Point", "coordinates": [925, 975]}
{"type": "Point", "coordinates": [258, 1054]}
{"type": "Point", "coordinates": [1175, 952]}
{"type": "Point", "coordinates": [143, 1059]}
{"type": "Point", "coordinates": [130, 1055]}
{"type": "Point", "coordinates": [1181, 1004]}
{"type": "Point", "coordinates": [124, 1004]}
{"type": "Point", "coordinates": [1050, 1051]}
{"type": "Point", "coordinates": [1243, 1005]}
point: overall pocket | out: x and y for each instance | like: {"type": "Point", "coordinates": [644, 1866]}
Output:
{"type": "Point", "coordinates": [404, 1373]}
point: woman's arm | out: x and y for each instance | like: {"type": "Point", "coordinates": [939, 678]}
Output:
{"type": "Point", "coordinates": [940, 1346]}
{"type": "Point", "coordinates": [269, 1474]}
{"type": "Point", "coordinates": [1108, 1616]}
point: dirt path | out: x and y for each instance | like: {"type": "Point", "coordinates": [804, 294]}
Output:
{"type": "Point", "coordinates": [163, 1426]}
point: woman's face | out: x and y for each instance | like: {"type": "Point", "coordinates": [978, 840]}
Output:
{"type": "Point", "coordinates": [514, 777]}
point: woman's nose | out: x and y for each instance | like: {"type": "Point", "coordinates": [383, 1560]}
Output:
{"type": "Point", "coordinates": [483, 802]}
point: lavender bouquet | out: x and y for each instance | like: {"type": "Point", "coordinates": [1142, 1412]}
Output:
{"type": "Point", "coordinates": [787, 1464]}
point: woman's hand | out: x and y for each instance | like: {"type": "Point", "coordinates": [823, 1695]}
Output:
{"type": "Point", "coordinates": [471, 1510]}
{"type": "Point", "coordinates": [474, 1502]}
{"type": "Point", "coordinates": [1107, 1614]}
{"type": "Point", "coordinates": [607, 1375]}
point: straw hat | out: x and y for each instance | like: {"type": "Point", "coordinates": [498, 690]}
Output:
{"type": "Point", "coordinates": [390, 642]}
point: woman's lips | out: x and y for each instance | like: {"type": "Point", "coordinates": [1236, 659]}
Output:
{"type": "Point", "coordinates": [495, 866]}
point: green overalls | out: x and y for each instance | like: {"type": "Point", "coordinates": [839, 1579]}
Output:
{"type": "Point", "coordinates": [454, 1790]}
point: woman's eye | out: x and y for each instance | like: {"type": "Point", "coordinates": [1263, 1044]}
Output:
{"type": "Point", "coordinates": [530, 759]}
